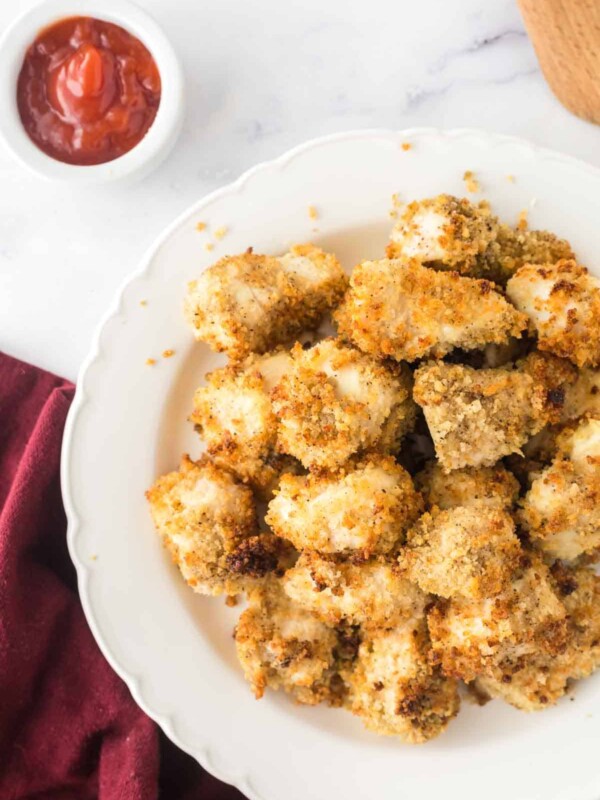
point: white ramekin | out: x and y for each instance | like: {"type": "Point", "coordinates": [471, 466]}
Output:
{"type": "Point", "coordinates": [160, 136]}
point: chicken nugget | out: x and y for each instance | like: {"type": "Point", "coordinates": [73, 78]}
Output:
{"type": "Point", "coordinates": [562, 302]}
{"type": "Point", "coordinates": [561, 510]}
{"type": "Point", "coordinates": [249, 303]}
{"type": "Point", "coordinates": [394, 688]}
{"type": "Point", "coordinates": [335, 401]}
{"type": "Point", "coordinates": [403, 310]}
{"type": "Point", "coordinates": [466, 551]}
{"type": "Point", "coordinates": [473, 637]}
{"type": "Point", "coordinates": [478, 416]}
{"type": "Point", "coordinates": [282, 646]}
{"type": "Point", "coordinates": [374, 594]}
{"type": "Point", "coordinates": [493, 486]}
{"type": "Point", "coordinates": [203, 514]}
{"type": "Point", "coordinates": [364, 507]}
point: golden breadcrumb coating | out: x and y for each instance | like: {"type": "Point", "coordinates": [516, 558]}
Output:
{"type": "Point", "coordinates": [282, 646]}
{"type": "Point", "coordinates": [514, 247]}
{"type": "Point", "coordinates": [443, 231]}
{"type": "Point", "coordinates": [562, 302]}
{"type": "Point", "coordinates": [469, 551]}
{"type": "Point", "coordinates": [336, 401]}
{"type": "Point", "coordinates": [471, 637]}
{"type": "Point", "coordinates": [364, 507]}
{"type": "Point", "coordinates": [406, 311]}
{"type": "Point", "coordinates": [203, 515]}
{"type": "Point", "coordinates": [373, 594]}
{"type": "Point", "coordinates": [478, 416]}
{"type": "Point", "coordinates": [561, 511]}
{"type": "Point", "coordinates": [249, 303]}
{"type": "Point", "coordinates": [539, 681]}
{"type": "Point", "coordinates": [556, 375]}
{"type": "Point", "coordinates": [394, 688]}
{"type": "Point", "coordinates": [234, 416]}
{"type": "Point", "coordinates": [493, 486]}
{"type": "Point", "coordinates": [582, 398]}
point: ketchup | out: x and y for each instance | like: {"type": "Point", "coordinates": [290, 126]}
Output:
{"type": "Point", "coordinates": [88, 91]}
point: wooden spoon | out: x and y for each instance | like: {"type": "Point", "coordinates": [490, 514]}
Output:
{"type": "Point", "coordinates": [566, 38]}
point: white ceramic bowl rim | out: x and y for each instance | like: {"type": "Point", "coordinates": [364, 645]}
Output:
{"type": "Point", "coordinates": [163, 131]}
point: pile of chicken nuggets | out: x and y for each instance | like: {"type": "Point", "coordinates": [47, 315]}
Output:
{"type": "Point", "coordinates": [414, 503]}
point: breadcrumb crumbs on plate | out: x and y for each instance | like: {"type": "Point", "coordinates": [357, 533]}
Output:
{"type": "Point", "coordinates": [201, 226]}
{"type": "Point", "coordinates": [221, 232]}
{"type": "Point", "coordinates": [471, 183]}
{"type": "Point", "coordinates": [406, 146]}
{"type": "Point", "coordinates": [208, 246]}
{"type": "Point", "coordinates": [522, 223]}
{"type": "Point", "coordinates": [231, 600]}
{"type": "Point", "coordinates": [511, 178]}
{"type": "Point", "coordinates": [150, 362]}
{"type": "Point", "coordinates": [143, 302]}
{"type": "Point", "coordinates": [94, 557]}
{"type": "Point", "coordinates": [312, 212]}
{"type": "Point", "coordinates": [168, 353]}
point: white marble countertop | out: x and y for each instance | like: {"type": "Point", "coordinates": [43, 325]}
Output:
{"type": "Point", "coordinates": [262, 77]}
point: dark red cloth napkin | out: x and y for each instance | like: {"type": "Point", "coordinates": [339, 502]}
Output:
{"type": "Point", "coordinates": [69, 729]}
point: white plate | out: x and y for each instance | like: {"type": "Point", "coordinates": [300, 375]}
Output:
{"type": "Point", "coordinates": [128, 424]}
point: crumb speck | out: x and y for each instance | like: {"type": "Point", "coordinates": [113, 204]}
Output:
{"type": "Point", "coordinates": [94, 557]}
{"type": "Point", "coordinates": [208, 246]}
{"type": "Point", "coordinates": [231, 600]}
{"type": "Point", "coordinates": [511, 178]}
{"type": "Point", "coordinates": [143, 302]}
{"type": "Point", "coordinates": [220, 232]}
{"type": "Point", "coordinates": [168, 353]}
{"type": "Point", "coordinates": [312, 212]}
{"type": "Point", "coordinates": [201, 226]}
{"type": "Point", "coordinates": [522, 220]}
{"type": "Point", "coordinates": [471, 183]}
{"type": "Point", "coordinates": [150, 361]}
{"type": "Point", "coordinates": [406, 146]}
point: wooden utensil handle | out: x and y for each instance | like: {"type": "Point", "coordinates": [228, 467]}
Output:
{"type": "Point", "coordinates": [566, 38]}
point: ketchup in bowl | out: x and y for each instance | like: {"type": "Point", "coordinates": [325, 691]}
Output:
{"type": "Point", "coordinates": [88, 91]}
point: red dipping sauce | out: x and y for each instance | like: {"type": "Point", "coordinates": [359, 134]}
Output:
{"type": "Point", "coordinates": [88, 91]}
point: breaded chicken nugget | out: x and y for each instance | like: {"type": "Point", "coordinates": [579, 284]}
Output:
{"type": "Point", "coordinates": [478, 416]}
{"type": "Point", "coordinates": [364, 507]}
{"type": "Point", "coordinates": [373, 594]}
{"type": "Point", "coordinates": [249, 303]}
{"type": "Point", "coordinates": [492, 486]}
{"type": "Point", "coordinates": [203, 515]}
{"type": "Point", "coordinates": [582, 398]}
{"type": "Point", "coordinates": [234, 415]}
{"type": "Point", "coordinates": [406, 311]}
{"type": "Point", "coordinates": [511, 249]}
{"type": "Point", "coordinates": [539, 681]}
{"type": "Point", "coordinates": [561, 511]}
{"type": "Point", "coordinates": [282, 646]}
{"type": "Point", "coordinates": [335, 401]}
{"type": "Point", "coordinates": [394, 688]}
{"type": "Point", "coordinates": [468, 551]}
{"type": "Point", "coordinates": [472, 637]}
{"type": "Point", "coordinates": [556, 375]}
{"type": "Point", "coordinates": [562, 302]}
{"type": "Point", "coordinates": [444, 232]}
